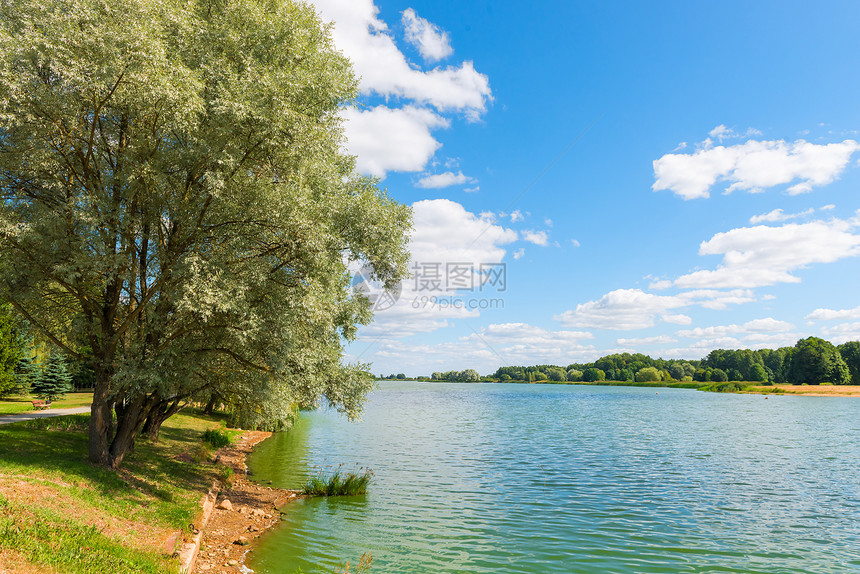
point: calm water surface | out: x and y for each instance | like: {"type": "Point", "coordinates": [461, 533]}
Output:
{"type": "Point", "coordinates": [545, 478]}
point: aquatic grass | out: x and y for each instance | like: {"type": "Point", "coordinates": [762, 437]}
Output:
{"type": "Point", "coordinates": [338, 482]}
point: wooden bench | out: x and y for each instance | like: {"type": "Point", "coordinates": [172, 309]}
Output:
{"type": "Point", "coordinates": [39, 404]}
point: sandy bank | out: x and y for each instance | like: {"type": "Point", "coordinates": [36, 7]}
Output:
{"type": "Point", "coordinates": [252, 509]}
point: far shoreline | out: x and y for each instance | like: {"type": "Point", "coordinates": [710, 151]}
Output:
{"type": "Point", "coordinates": [750, 388]}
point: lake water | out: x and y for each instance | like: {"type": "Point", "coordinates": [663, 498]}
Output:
{"type": "Point", "coordinates": [504, 478]}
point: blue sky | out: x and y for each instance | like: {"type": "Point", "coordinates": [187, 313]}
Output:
{"type": "Point", "coordinates": [667, 178]}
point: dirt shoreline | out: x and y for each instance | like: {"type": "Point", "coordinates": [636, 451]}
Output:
{"type": "Point", "coordinates": [251, 509]}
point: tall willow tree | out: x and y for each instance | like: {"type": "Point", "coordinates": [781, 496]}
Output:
{"type": "Point", "coordinates": [176, 208]}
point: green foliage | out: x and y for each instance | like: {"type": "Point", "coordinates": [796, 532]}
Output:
{"type": "Point", "coordinates": [556, 374]}
{"type": "Point", "coordinates": [850, 353]}
{"type": "Point", "coordinates": [726, 387]}
{"type": "Point", "coordinates": [338, 483]}
{"type": "Point", "coordinates": [54, 381]}
{"type": "Point", "coordinates": [592, 374]}
{"type": "Point", "coordinates": [719, 376]}
{"type": "Point", "coordinates": [758, 373]}
{"type": "Point", "coordinates": [12, 351]}
{"type": "Point", "coordinates": [467, 376]}
{"type": "Point", "coordinates": [816, 361]}
{"type": "Point", "coordinates": [175, 194]}
{"type": "Point", "coordinates": [574, 375]}
{"type": "Point", "coordinates": [216, 438]}
{"type": "Point", "coordinates": [647, 374]}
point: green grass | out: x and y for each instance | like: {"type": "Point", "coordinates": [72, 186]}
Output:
{"type": "Point", "coordinates": [46, 538]}
{"type": "Point", "coordinates": [338, 483]}
{"type": "Point", "coordinates": [21, 403]}
{"type": "Point", "coordinates": [154, 487]}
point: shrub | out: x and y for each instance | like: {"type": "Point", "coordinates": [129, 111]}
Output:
{"type": "Point", "coordinates": [217, 438]}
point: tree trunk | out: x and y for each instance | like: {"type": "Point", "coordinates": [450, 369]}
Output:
{"type": "Point", "coordinates": [210, 406]}
{"type": "Point", "coordinates": [130, 418]}
{"type": "Point", "coordinates": [101, 420]}
{"type": "Point", "coordinates": [163, 411]}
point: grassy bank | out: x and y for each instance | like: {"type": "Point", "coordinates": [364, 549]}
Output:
{"type": "Point", "coordinates": [58, 513]}
{"type": "Point", "coordinates": [23, 403]}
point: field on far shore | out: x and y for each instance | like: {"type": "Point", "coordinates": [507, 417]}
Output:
{"type": "Point", "coordinates": [811, 390]}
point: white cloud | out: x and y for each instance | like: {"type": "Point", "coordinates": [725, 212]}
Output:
{"type": "Point", "coordinates": [384, 70]}
{"type": "Point", "coordinates": [629, 309]}
{"type": "Point", "coordinates": [449, 245]}
{"type": "Point", "coordinates": [446, 179]}
{"type": "Point", "coordinates": [472, 189]}
{"type": "Point", "coordinates": [485, 350]}
{"type": "Point", "coordinates": [517, 215]}
{"type": "Point", "coordinates": [385, 139]}
{"type": "Point", "coordinates": [753, 166]}
{"type": "Point", "coordinates": [757, 327]}
{"type": "Point", "coordinates": [636, 342]}
{"type": "Point", "coordinates": [843, 333]}
{"type": "Point", "coordinates": [575, 243]}
{"type": "Point", "coordinates": [760, 256]}
{"type": "Point", "coordinates": [678, 319]}
{"type": "Point", "coordinates": [430, 40]}
{"type": "Point", "coordinates": [832, 314]}
{"type": "Point", "coordinates": [536, 237]}
{"type": "Point", "coordinates": [827, 207]}
{"type": "Point", "coordinates": [521, 343]}
{"type": "Point", "coordinates": [779, 215]}
{"type": "Point", "coordinates": [518, 254]}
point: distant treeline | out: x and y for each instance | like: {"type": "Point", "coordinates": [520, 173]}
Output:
{"type": "Point", "coordinates": [811, 361]}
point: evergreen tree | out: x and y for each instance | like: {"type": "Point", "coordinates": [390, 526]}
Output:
{"type": "Point", "coordinates": [54, 381]}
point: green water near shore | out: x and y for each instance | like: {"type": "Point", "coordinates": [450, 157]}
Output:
{"type": "Point", "coordinates": [568, 479]}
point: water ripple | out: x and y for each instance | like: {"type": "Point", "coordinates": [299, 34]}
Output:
{"type": "Point", "coordinates": [558, 479]}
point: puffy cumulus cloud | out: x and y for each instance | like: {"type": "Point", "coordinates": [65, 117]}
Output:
{"type": "Point", "coordinates": [537, 237]}
{"type": "Point", "coordinates": [445, 231]}
{"type": "Point", "coordinates": [430, 40]}
{"type": "Point", "coordinates": [642, 341]}
{"type": "Point", "coordinates": [397, 136]}
{"type": "Point", "coordinates": [384, 70]}
{"type": "Point", "coordinates": [779, 215]}
{"type": "Point", "coordinates": [629, 309]}
{"type": "Point", "coordinates": [833, 314]}
{"type": "Point", "coordinates": [762, 255]}
{"type": "Point", "coordinates": [522, 343]}
{"type": "Point", "coordinates": [446, 179]}
{"type": "Point", "coordinates": [391, 139]}
{"type": "Point", "coordinates": [756, 328]}
{"type": "Point", "coordinates": [455, 274]}
{"type": "Point", "coordinates": [753, 166]}
{"type": "Point", "coordinates": [622, 309]}
{"type": "Point", "coordinates": [842, 333]}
